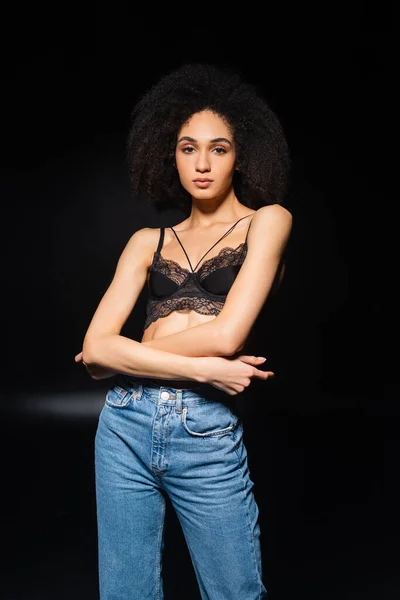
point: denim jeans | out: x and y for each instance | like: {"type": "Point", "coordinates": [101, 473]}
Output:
{"type": "Point", "coordinates": [154, 442]}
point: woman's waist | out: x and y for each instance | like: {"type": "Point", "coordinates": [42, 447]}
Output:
{"type": "Point", "coordinates": [179, 384]}
{"type": "Point", "coordinates": [205, 390]}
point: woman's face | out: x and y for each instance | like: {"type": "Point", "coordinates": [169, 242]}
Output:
{"type": "Point", "coordinates": [205, 155]}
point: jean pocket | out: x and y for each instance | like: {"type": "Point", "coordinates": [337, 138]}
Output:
{"type": "Point", "coordinates": [211, 419]}
{"type": "Point", "coordinates": [119, 397]}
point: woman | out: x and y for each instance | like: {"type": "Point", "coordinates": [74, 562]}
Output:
{"type": "Point", "coordinates": [204, 140]}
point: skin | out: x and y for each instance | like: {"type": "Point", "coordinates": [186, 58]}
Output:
{"type": "Point", "coordinates": [205, 148]}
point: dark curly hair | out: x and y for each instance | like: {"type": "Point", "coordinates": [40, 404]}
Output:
{"type": "Point", "coordinates": [262, 155]}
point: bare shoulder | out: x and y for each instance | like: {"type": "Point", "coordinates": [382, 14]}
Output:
{"type": "Point", "coordinates": [145, 235]}
{"type": "Point", "coordinates": [274, 214]}
{"type": "Point", "coordinates": [143, 244]}
{"type": "Point", "coordinates": [271, 224]}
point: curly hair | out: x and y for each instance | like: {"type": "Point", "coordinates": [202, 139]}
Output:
{"type": "Point", "coordinates": [262, 155]}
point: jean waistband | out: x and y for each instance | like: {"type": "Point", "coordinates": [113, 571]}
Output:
{"type": "Point", "coordinates": [161, 394]}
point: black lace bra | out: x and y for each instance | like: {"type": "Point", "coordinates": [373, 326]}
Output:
{"type": "Point", "coordinates": [172, 287]}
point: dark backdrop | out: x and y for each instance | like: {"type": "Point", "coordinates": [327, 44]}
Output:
{"type": "Point", "coordinates": [322, 436]}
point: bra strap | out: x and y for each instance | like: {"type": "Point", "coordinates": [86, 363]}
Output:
{"type": "Point", "coordinates": [221, 238]}
{"type": "Point", "coordinates": [176, 235]}
{"type": "Point", "coordinates": [161, 240]}
{"type": "Point", "coordinates": [248, 229]}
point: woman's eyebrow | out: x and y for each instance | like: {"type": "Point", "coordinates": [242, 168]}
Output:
{"type": "Point", "coordinates": [186, 138]}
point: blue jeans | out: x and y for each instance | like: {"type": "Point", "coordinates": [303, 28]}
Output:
{"type": "Point", "coordinates": [154, 442]}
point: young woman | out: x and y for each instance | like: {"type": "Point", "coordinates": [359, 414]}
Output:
{"type": "Point", "coordinates": [206, 141]}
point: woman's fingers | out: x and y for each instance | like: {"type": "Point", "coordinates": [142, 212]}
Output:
{"type": "Point", "coordinates": [252, 360]}
{"type": "Point", "coordinates": [256, 360]}
{"type": "Point", "coordinates": [265, 374]}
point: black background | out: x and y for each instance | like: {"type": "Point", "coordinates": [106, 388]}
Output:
{"type": "Point", "coordinates": [322, 437]}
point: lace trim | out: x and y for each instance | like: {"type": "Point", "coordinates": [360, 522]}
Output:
{"type": "Point", "coordinates": [161, 309]}
{"type": "Point", "coordinates": [186, 297]}
{"type": "Point", "coordinates": [225, 257]}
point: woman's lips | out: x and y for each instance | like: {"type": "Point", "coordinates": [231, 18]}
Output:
{"type": "Point", "coordinates": [202, 184]}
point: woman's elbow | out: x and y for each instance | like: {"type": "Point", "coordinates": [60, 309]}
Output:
{"type": "Point", "coordinates": [228, 342]}
{"type": "Point", "coordinates": [89, 352]}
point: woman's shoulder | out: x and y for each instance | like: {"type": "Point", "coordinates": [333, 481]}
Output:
{"type": "Point", "coordinates": [142, 243]}
{"type": "Point", "coordinates": [147, 235]}
{"type": "Point", "coordinates": [275, 213]}
{"type": "Point", "coordinates": [274, 209]}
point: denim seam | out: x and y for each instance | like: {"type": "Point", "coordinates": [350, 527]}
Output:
{"type": "Point", "coordinates": [217, 432]}
{"type": "Point", "coordinates": [126, 399]}
{"type": "Point", "coordinates": [249, 522]}
{"type": "Point", "coordinates": [167, 429]}
{"type": "Point", "coordinates": [187, 402]}
{"type": "Point", "coordinates": [152, 441]}
{"type": "Point", "coordinates": [159, 541]}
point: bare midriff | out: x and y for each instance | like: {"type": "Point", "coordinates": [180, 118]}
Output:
{"type": "Point", "coordinates": [178, 320]}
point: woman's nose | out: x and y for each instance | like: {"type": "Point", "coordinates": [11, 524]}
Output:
{"type": "Point", "coordinates": [202, 162]}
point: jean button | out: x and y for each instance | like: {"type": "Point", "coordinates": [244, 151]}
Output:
{"type": "Point", "coordinates": [164, 395]}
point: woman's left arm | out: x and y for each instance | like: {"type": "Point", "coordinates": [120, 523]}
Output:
{"type": "Point", "coordinates": [227, 333]}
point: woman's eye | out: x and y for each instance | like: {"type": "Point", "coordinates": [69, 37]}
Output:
{"type": "Point", "coordinates": [191, 149]}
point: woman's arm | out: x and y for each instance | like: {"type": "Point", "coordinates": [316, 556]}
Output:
{"type": "Point", "coordinates": [206, 339]}
{"type": "Point", "coordinates": [114, 353]}
{"type": "Point", "coordinates": [227, 333]}
{"type": "Point", "coordinates": [104, 349]}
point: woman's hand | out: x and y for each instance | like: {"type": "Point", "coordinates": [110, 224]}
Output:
{"type": "Point", "coordinates": [234, 375]}
{"type": "Point", "coordinates": [95, 371]}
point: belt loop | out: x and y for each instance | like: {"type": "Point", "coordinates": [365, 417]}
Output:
{"type": "Point", "coordinates": [178, 405]}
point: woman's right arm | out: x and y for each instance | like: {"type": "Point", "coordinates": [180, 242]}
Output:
{"type": "Point", "coordinates": [104, 346]}
{"type": "Point", "coordinates": [123, 355]}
